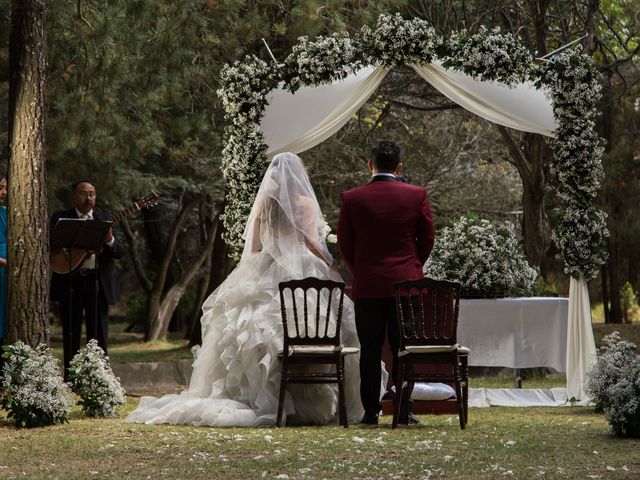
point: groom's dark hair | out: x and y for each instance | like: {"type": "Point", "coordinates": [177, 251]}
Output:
{"type": "Point", "coordinates": [386, 155]}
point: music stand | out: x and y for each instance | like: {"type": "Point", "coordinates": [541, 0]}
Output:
{"type": "Point", "coordinates": [89, 235]}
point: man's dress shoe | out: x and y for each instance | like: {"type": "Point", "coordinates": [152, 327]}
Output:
{"type": "Point", "coordinates": [369, 419]}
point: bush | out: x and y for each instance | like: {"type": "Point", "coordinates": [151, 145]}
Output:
{"type": "Point", "coordinates": [35, 392]}
{"type": "Point", "coordinates": [94, 382]}
{"type": "Point", "coordinates": [484, 257]}
{"type": "Point", "coordinates": [614, 385]}
{"type": "Point", "coordinates": [629, 304]}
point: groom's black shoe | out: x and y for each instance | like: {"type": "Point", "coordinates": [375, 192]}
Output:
{"type": "Point", "coordinates": [413, 420]}
{"type": "Point", "coordinates": [369, 419]}
{"type": "Point", "coordinates": [409, 418]}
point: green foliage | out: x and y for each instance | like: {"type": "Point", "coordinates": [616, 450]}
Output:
{"type": "Point", "coordinates": [130, 96]}
{"type": "Point", "coordinates": [629, 304]}
{"type": "Point", "coordinates": [137, 309]}
{"type": "Point", "coordinates": [544, 288]}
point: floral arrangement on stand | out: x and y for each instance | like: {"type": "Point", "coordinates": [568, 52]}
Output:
{"type": "Point", "coordinates": [614, 385]}
{"type": "Point", "coordinates": [35, 394]}
{"type": "Point", "coordinates": [570, 79]}
{"type": "Point", "coordinates": [94, 382]}
{"type": "Point", "coordinates": [483, 256]}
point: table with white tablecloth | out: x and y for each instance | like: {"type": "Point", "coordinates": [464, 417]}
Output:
{"type": "Point", "coordinates": [516, 333]}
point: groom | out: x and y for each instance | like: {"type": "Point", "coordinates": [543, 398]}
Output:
{"type": "Point", "coordinates": [385, 233]}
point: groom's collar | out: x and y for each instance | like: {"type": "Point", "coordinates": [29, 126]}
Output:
{"type": "Point", "coordinates": [383, 177]}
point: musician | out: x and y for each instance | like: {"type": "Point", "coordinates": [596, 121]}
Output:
{"type": "Point", "coordinates": [83, 298]}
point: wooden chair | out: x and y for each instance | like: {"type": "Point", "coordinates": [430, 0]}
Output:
{"type": "Point", "coordinates": [429, 351]}
{"type": "Point", "coordinates": [311, 318]}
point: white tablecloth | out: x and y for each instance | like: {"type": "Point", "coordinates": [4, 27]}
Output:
{"type": "Point", "coordinates": [515, 332]}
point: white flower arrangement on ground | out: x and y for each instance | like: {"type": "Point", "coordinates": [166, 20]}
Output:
{"type": "Point", "coordinates": [94, 382]}
{"type": "Point", "coordinates": [35, 394]}
{"type": "Point", "coordinates": [614, 385]}
{"type": "Point", "coordinates": [570, 79]}
{"type": "Point", "coordinates": [483, 256]}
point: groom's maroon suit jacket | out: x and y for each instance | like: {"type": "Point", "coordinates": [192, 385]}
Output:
{"type": "Point", "coordinates": [385, 234]}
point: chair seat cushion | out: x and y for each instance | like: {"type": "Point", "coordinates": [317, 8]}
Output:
{"type": "Point", "coordinates": [321, 350]}
{"type": "Point", "coordinates": [428, 349]}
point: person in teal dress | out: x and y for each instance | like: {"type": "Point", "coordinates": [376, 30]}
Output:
{"type": "Point", "coordinates": [3, 256]}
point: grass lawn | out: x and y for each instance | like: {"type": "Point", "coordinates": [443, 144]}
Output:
{"type": "Point", "coordinates": [127, 347]}
{"type": "Point", "coordinates": [523, 443]}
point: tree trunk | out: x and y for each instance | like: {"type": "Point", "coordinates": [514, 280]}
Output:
{"type": "Point", "coordinates": [615, 312]}
{"type": "Point", "coordinates": [163, 270]}
{"type": "Point", "coordinates": [165, 309]}
{"type": "Point", "coordinates": [604, 273]}
{"type": "Point", "coordinates": [220, 267]}
{"type": "Point", "coordinates": [537, 231]}
{"type": "Point", "coordinates": [633, 260]}
{"type": "Point", "coordinates": [134, 255]}
{"type": "Point", "coordinates": [529, 159]}
{"type": "Point", "coordinates": [203, 284]}
{"type": "Point", "coordinates": [28, 233]}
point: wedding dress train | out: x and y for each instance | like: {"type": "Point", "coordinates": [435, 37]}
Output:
{"type": "Point", "coordinates": [236, 372]}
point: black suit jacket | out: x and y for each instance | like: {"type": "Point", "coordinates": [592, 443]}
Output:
{"type": "Point", "coordinates": [105, 259]}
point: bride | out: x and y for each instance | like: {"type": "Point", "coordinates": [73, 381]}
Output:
{"type": "Point", "coordinates": [236, 372]}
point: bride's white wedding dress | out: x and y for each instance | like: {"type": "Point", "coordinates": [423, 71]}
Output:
{"type": "Point", "coordinates": [236, 372]}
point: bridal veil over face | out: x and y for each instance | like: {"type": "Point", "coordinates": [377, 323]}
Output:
{"type": "Point", "coordinates": [285, 215]}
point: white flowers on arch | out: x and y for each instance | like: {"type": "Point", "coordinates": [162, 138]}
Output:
{"type": "Point", "coordinates": [571, 80]}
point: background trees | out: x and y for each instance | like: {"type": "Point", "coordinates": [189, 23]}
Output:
{"type": "Point", "coordinates": [131, 103]}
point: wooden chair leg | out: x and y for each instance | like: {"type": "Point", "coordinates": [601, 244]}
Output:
{"type": "Point", "coordinates": [465, 389]}
{"type": "Point", "coordinates": [283, 387]}
{"type": "Point", "coordinates": [342, 402]}
{"type": "Point", "coordinates": [459, 398]}
{"type": "Point", "coordinates": [398, 396]}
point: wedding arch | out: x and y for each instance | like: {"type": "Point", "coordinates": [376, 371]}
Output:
{"type": "Point", "coordinates": [270, 108]}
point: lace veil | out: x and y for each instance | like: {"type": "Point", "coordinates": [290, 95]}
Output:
{"type": "Point", "coordinates": [285, 216]}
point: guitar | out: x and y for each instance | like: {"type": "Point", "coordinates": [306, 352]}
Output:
{"type": "Point", "coordinates": [69, 260]}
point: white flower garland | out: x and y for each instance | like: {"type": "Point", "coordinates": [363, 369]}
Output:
{"type": "Point", "coordinates": [571, 80]}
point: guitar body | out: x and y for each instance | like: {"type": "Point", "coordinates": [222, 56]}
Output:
{"type": "Point", "coordinates": [65, 260]}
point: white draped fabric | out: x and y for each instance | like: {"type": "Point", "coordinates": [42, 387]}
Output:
{"type": "Point", "coordinates": [516, 397]}
{"type": "Point", "coordinates": [581, 349]}
{"type": "Point", "coordinates": [522, 107]}
{"type": "Point", "coordinates": [298, 121]}
{"type": "Point", "coordinates": [295, 122]}
{"type": "Point", "coordinates": [521, 332]}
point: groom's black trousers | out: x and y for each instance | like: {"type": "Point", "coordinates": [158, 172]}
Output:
{"type": "Point", "coordinates": [375, 319]}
